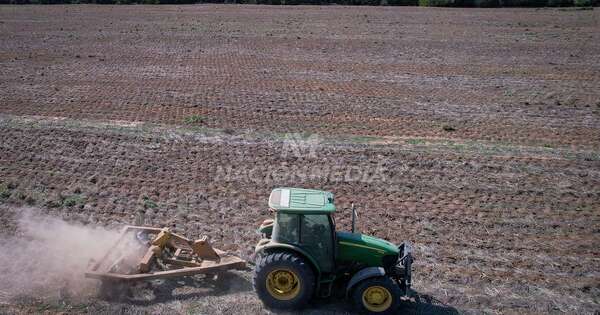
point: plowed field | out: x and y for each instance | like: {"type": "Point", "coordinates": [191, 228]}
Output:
{"type": "Point", "coordinates": [472, 133]}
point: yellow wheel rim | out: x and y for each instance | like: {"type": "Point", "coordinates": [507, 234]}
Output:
{"type": "Point", "coordinates": [377, 298]}
{"type": "Point", "coordinates": [283, 284]}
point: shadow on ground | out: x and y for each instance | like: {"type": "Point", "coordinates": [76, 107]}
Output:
{"type": "Point", "coordinates": [232, 283]}
{"type": "Point", "coordinates": [424, 304]}
{"type": "Point", "coordinates": [184, 288]}
{"type": "Point", "coordinates": [418, 304]}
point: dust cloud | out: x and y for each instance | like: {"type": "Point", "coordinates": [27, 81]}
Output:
{"type": "Point", "coordinates": [48, 257]}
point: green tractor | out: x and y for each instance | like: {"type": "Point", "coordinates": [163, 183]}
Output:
{"type": "Point", "coordinates": [302, 256]}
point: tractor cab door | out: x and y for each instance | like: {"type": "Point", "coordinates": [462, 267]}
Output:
{"type": "Point", "coordinates": [316, 237]}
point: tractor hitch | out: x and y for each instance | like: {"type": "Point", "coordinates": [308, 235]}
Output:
{"type": "Point", "coordinates": [403, 269]}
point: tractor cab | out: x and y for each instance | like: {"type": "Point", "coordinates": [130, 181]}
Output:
{"type": "Point", "coordinates": [306, 251]}
{"type": "Point", "coordinates": [303, 218]}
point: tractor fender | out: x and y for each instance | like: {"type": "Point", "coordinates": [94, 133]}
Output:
{"type": "Point", "coordinates": [362, 275]}
{"type": "Point", "coordinates": [268, 244]}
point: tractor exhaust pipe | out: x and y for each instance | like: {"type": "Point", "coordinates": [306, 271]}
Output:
{"type": "Point", "coordinates": [353, 218]}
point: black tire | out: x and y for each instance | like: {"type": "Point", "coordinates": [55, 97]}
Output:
{"type": "Point", "coordinates": [274, 263]}
{"type": "Point", "coordinates": [393, 293]}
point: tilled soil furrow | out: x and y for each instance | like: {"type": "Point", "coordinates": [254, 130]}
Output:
{"type": "Point", "coordinates": [509, 226]}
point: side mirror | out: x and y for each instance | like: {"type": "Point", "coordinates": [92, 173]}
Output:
{"type": "Point", "coordinates": [354, 217]}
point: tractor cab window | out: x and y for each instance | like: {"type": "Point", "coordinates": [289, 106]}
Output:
{"type": "Point", "coordinates": [316, 238]}
{"type": "Point", "coordinates": [287, 228]}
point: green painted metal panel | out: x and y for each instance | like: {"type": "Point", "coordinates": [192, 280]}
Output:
{"type": "Point", "coordinates": [363, 248]}
{"type": "Point", "coordinates": [301, 201]}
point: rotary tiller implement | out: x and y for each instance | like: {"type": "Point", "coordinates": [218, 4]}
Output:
{"type": "Point", "coordinates": [147, 253]}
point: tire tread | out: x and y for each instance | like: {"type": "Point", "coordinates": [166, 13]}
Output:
{"type": "Point", "coordinates": [270, 260]}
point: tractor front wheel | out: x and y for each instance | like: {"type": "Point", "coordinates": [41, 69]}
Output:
{"type": "Point", "coordinates": [377, 295]}
{"type": "Point", "coordinates": [283, 280]}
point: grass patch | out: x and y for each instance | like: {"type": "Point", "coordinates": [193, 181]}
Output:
{"type": "Point", "coordinates": [415, 141]}
{"type": "Point", "coordinates": [73, 200]}
{"type": "Point", "coordinates": [4, 191]}
{"type": "Point", "coordinates": [363, 139]}
{"type": "Point", "coordinates": [194, 119]}
{"type": "Point", "coordinates": [149, 203]}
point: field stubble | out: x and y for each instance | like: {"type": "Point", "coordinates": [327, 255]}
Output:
{"type": "Point", "coordinates": [473, 134]}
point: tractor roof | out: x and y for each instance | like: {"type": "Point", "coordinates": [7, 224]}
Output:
{"type": "Point", "coordinates": [298, 200]}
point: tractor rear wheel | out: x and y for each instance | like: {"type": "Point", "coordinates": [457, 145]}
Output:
{"type": "Point", "coordinates": [283, 280]}
{"type": "Point", "coordinates": [377, 295]}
